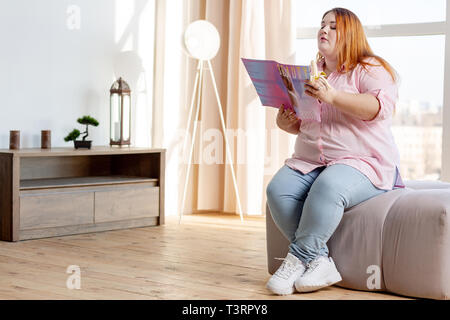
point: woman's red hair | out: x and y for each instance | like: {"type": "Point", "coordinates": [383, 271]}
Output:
{"type": "Point", "coordinates": [351, 43]}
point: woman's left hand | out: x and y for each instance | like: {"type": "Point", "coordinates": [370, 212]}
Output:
{"type": "Point", "coordinates": [321, 90]}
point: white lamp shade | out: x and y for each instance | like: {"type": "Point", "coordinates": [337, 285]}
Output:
{"type": "Point", "coordinates": [201, 40]}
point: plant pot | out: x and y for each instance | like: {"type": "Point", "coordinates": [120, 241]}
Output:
{"type": "Point", "coordinates": [82, 144]}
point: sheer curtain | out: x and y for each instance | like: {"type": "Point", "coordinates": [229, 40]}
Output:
{"type": "Point", "coordinates": [251, 29]}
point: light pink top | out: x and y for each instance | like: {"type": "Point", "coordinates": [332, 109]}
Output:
{"type": "Point", "coordinates": [367, 146]}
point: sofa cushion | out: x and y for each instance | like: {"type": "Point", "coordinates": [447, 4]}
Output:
{"type": "Point", "coordinates": [416, 245]}
{"type": "Point", "coordinates": [404, 231]}
{"type": "Point", "coordinates": [356, 245]}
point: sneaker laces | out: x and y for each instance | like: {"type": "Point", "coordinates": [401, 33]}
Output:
{"type": "Point", "coordinates": [312, 265]}
{"type": "Point", "coordinates": [287, 268]}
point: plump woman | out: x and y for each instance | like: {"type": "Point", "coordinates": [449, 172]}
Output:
{"type": "Point", "coordinates": [348, 157]}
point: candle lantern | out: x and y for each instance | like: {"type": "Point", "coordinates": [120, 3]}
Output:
{"type": "Point", "coordinates": [120, 113]}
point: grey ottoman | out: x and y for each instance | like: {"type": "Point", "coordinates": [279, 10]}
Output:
{"type": "Point", "coordinates": [396, 242]}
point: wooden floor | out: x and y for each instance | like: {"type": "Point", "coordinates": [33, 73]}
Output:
{"type": "Point", "coordinates": [204, 257]}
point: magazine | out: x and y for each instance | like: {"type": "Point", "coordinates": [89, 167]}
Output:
{"type": "Point", "coordinates": [282, 84]}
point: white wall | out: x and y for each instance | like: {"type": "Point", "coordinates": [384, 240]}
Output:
{"type": "Point", "coordinates": [58, 59]}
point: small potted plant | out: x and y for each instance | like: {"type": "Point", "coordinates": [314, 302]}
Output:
{"type": "Point", "coordinates": [87, 121]}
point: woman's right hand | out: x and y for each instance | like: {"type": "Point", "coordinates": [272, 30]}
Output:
{"type": "Point", "coordinates": [287, 120]}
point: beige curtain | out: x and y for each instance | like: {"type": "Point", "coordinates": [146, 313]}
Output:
{"type": "Point", "coordinates": [248, 29]}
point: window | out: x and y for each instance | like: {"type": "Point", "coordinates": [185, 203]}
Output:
{"type": "Point", "coordinates": [415, 53]}
{"type": "Point", "coordinates": [380, 12]}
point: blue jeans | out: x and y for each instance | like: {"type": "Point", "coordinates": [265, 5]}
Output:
{"type": "Point", "coordinates": [307, 208]}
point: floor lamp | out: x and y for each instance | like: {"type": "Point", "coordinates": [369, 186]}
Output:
{"type": "Point", "coordinates": [202, 42]}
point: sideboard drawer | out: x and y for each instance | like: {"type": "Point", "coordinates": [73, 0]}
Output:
{"type": "Point", "coordinates": [56, 209]}
{"type": "Point", "coordinates": [126, 204]}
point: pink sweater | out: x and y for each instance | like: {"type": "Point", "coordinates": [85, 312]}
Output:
{"type": "Point", "coordinates": [367, 146]}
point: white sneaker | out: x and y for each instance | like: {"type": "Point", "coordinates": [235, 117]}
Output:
{"type": "Point", "coordinates": [320, 273]}
{"type": "Point", "coordinates": [282, 281]}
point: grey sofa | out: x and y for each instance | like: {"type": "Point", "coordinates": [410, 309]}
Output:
{"type": "Point", "coordinates": [396, 242]}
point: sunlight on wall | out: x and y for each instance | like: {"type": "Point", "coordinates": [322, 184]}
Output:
{"type": "Point", "coordinates": [174, 57]}
{"type": "Point", "coordinates": [134, 61]}
{"type": "Point", "coordinates": [124, 13]}
{"type": "Point", "coordinates": [144, 92]}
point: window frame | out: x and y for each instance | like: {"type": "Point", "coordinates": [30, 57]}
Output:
{"type": "Point", "coordinates": [415, 29]}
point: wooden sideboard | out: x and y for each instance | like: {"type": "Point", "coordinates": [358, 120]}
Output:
{"type": "Point", "coordinates": [62, 191]}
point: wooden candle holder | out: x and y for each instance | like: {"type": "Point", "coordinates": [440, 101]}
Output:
{"type": "Point", "coordinates": [46, 139]}
{"type": "Point", "coordinates": [14, 139]}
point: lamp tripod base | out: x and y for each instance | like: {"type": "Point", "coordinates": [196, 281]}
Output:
{"type": "Point", "coordinates": [197, 92]}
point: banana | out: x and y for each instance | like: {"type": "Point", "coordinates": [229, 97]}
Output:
{"type": "Point", "coordinates": [314, 74]}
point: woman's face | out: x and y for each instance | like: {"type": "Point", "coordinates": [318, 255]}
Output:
{"type": "Point", "coordinates": [326, 37]}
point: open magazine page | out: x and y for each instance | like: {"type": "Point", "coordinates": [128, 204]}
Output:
{"type": "Point", "coordinates": [278, 84]}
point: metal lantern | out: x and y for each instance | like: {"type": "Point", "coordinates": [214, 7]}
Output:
{"type": "Point", "coordinates": [120, 119]}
